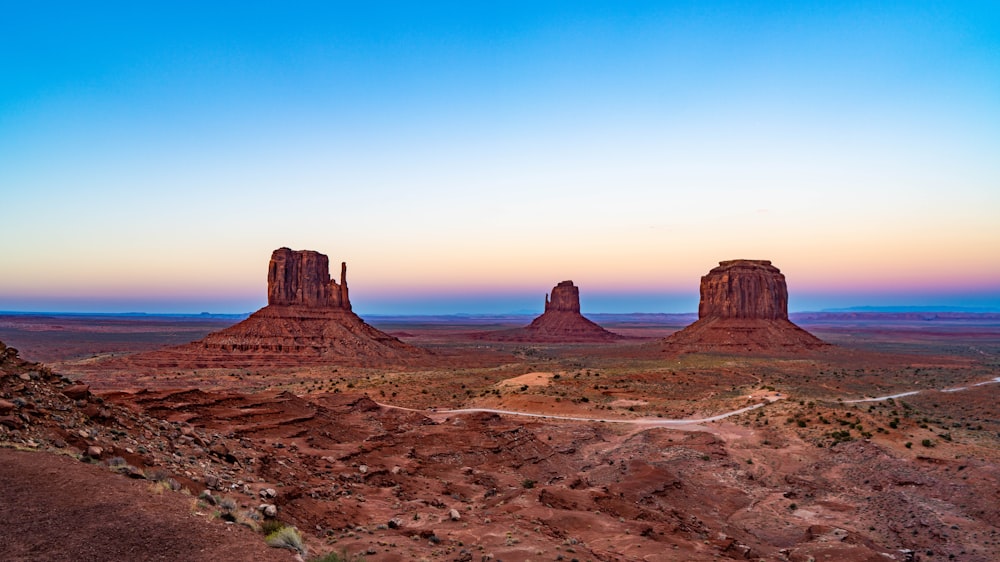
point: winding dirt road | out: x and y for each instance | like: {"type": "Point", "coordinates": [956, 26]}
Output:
{"type": "Point", "coordinates": [688, 423]}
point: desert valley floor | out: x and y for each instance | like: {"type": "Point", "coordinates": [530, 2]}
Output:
{"type": "Point", "coordinates": [883, 446]}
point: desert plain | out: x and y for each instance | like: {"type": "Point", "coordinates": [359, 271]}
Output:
{"type": "Point", "coordinates": [477, 449]}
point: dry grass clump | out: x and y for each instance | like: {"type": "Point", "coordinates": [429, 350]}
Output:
{"type": "Point", "coordinates": [287, 537]}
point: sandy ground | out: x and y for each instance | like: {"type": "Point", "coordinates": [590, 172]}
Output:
{"type": "Point", "coordinates": [57, 508]}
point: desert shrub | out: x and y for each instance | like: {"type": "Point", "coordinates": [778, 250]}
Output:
{"type": "Point", "coordinates": [287, 537]}
{"type": "Point", "coordinates": [908, 444]}
{"type": "Point", "coordinates": [271, 526]}
{"type": "Point", "coordinates": [528, 484]}
{"type": "Point", "coordinates": [227, 504]}
{"type": "Point", "coordinates": [117, 462]}
{"type": "Point", "coordinates": [927, 443]}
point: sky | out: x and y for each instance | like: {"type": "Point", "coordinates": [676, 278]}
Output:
{"type": "Point", "coordinates": [465, 157]}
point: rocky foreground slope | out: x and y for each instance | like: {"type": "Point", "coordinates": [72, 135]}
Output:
{"type": "Point", "coordinates": [778, 483]}
{"type": "Point", "coordinates": [84, 479]}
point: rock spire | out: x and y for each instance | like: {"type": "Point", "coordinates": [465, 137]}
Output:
{"type": "Point", "coordinates": [302, 277]}
{"type": "Point", "coordinates": [565, 298]}
{"type": "Point", "coordinates": [560, 323]}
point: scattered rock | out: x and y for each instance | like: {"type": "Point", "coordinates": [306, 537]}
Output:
{"type": "Point", "coordinates": [6, 406]}
{"type": "Point", "coordinates": [77, 391]}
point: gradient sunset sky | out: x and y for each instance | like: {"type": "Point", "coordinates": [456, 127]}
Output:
{"type": "Point", "coordinates": [464, 158]}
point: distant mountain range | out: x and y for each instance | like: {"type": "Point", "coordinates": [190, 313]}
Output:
{"type": "Point", "coordinates": [910, 309]}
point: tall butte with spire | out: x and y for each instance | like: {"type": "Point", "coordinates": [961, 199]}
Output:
{"type": "Point", "coordinates": [307, 320]}
{"type": "Point", "coordinates": [561, 322]}
{"type": "Point", "coordinates": [744, 307]}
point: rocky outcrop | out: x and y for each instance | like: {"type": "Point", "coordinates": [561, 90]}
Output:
{"type": "Point", "coordinates": [560, 323]}
{"type": "Point", "coordinates": [565, 298]}
{"type": "Point", "coordinates": [744, 307]}
{"type": "Point", "coordinates": [752, 289]}
{"type": "Point", "coordinates": [308, 320]}
{"type": "Point", "coordinates": [302, 277]}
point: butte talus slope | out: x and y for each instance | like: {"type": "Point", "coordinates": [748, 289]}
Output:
{"type": "Point", "coordinates": [744, 307]}
{"type": "Point", "coordinates": [307, 320]}
{"type": "Point", "coordinates": [561, 322]}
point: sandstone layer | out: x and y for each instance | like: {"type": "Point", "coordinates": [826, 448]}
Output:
{"type": "Point", "coordinates": [308, 320]}
{"type": "Point", "coordinates": [561, 322]}
{"type": "Point", "coordinates": [744, 307]}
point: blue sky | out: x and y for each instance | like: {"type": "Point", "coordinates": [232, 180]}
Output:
{"type": "Point", "coordinates": [466, 159]}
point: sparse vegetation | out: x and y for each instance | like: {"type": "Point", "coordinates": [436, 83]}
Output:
{"type": "Point", "coordinates": [287, 537]}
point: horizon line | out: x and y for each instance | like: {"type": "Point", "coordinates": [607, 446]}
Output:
{"type": "Point", "coordinates": [873, 309]}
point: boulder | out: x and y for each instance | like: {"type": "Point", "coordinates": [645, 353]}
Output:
{"type": "Point", "coordinates": [77, 391]}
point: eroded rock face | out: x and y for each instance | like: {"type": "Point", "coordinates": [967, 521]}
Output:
{"type": "Point", "coordinates": [565, 298]}
{"type": "Point", "coordinates": [744, 289]}
{"type": "Point", "coordinates": [744, 307]}
{"type": "Point", "coordinates": [302, 277]}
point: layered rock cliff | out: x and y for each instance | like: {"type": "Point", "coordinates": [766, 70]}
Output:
{"type": "Point", "coordinates": [565, 298]}
{"type": "Point", "coordinates": [752, 289]}
{"type": "Point", "coordinates": [744, 307]}
{"type": "Point", "coordinates": [303, 278]}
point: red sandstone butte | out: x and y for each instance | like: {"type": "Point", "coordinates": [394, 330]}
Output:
{"type": "Point", "coordinates": [561, 322]}
{"type": "Point", "coordinates": [307, 320]}
{"type": "Point", "coordinates": [744, 307]}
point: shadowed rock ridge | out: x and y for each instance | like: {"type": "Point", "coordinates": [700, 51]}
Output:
{"type": "Point", "coordinates": [308, 320]}
{"type": "Point", "coordinates": [744, 306]}
{"type": "Point", "coordinates": [561, 322]}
